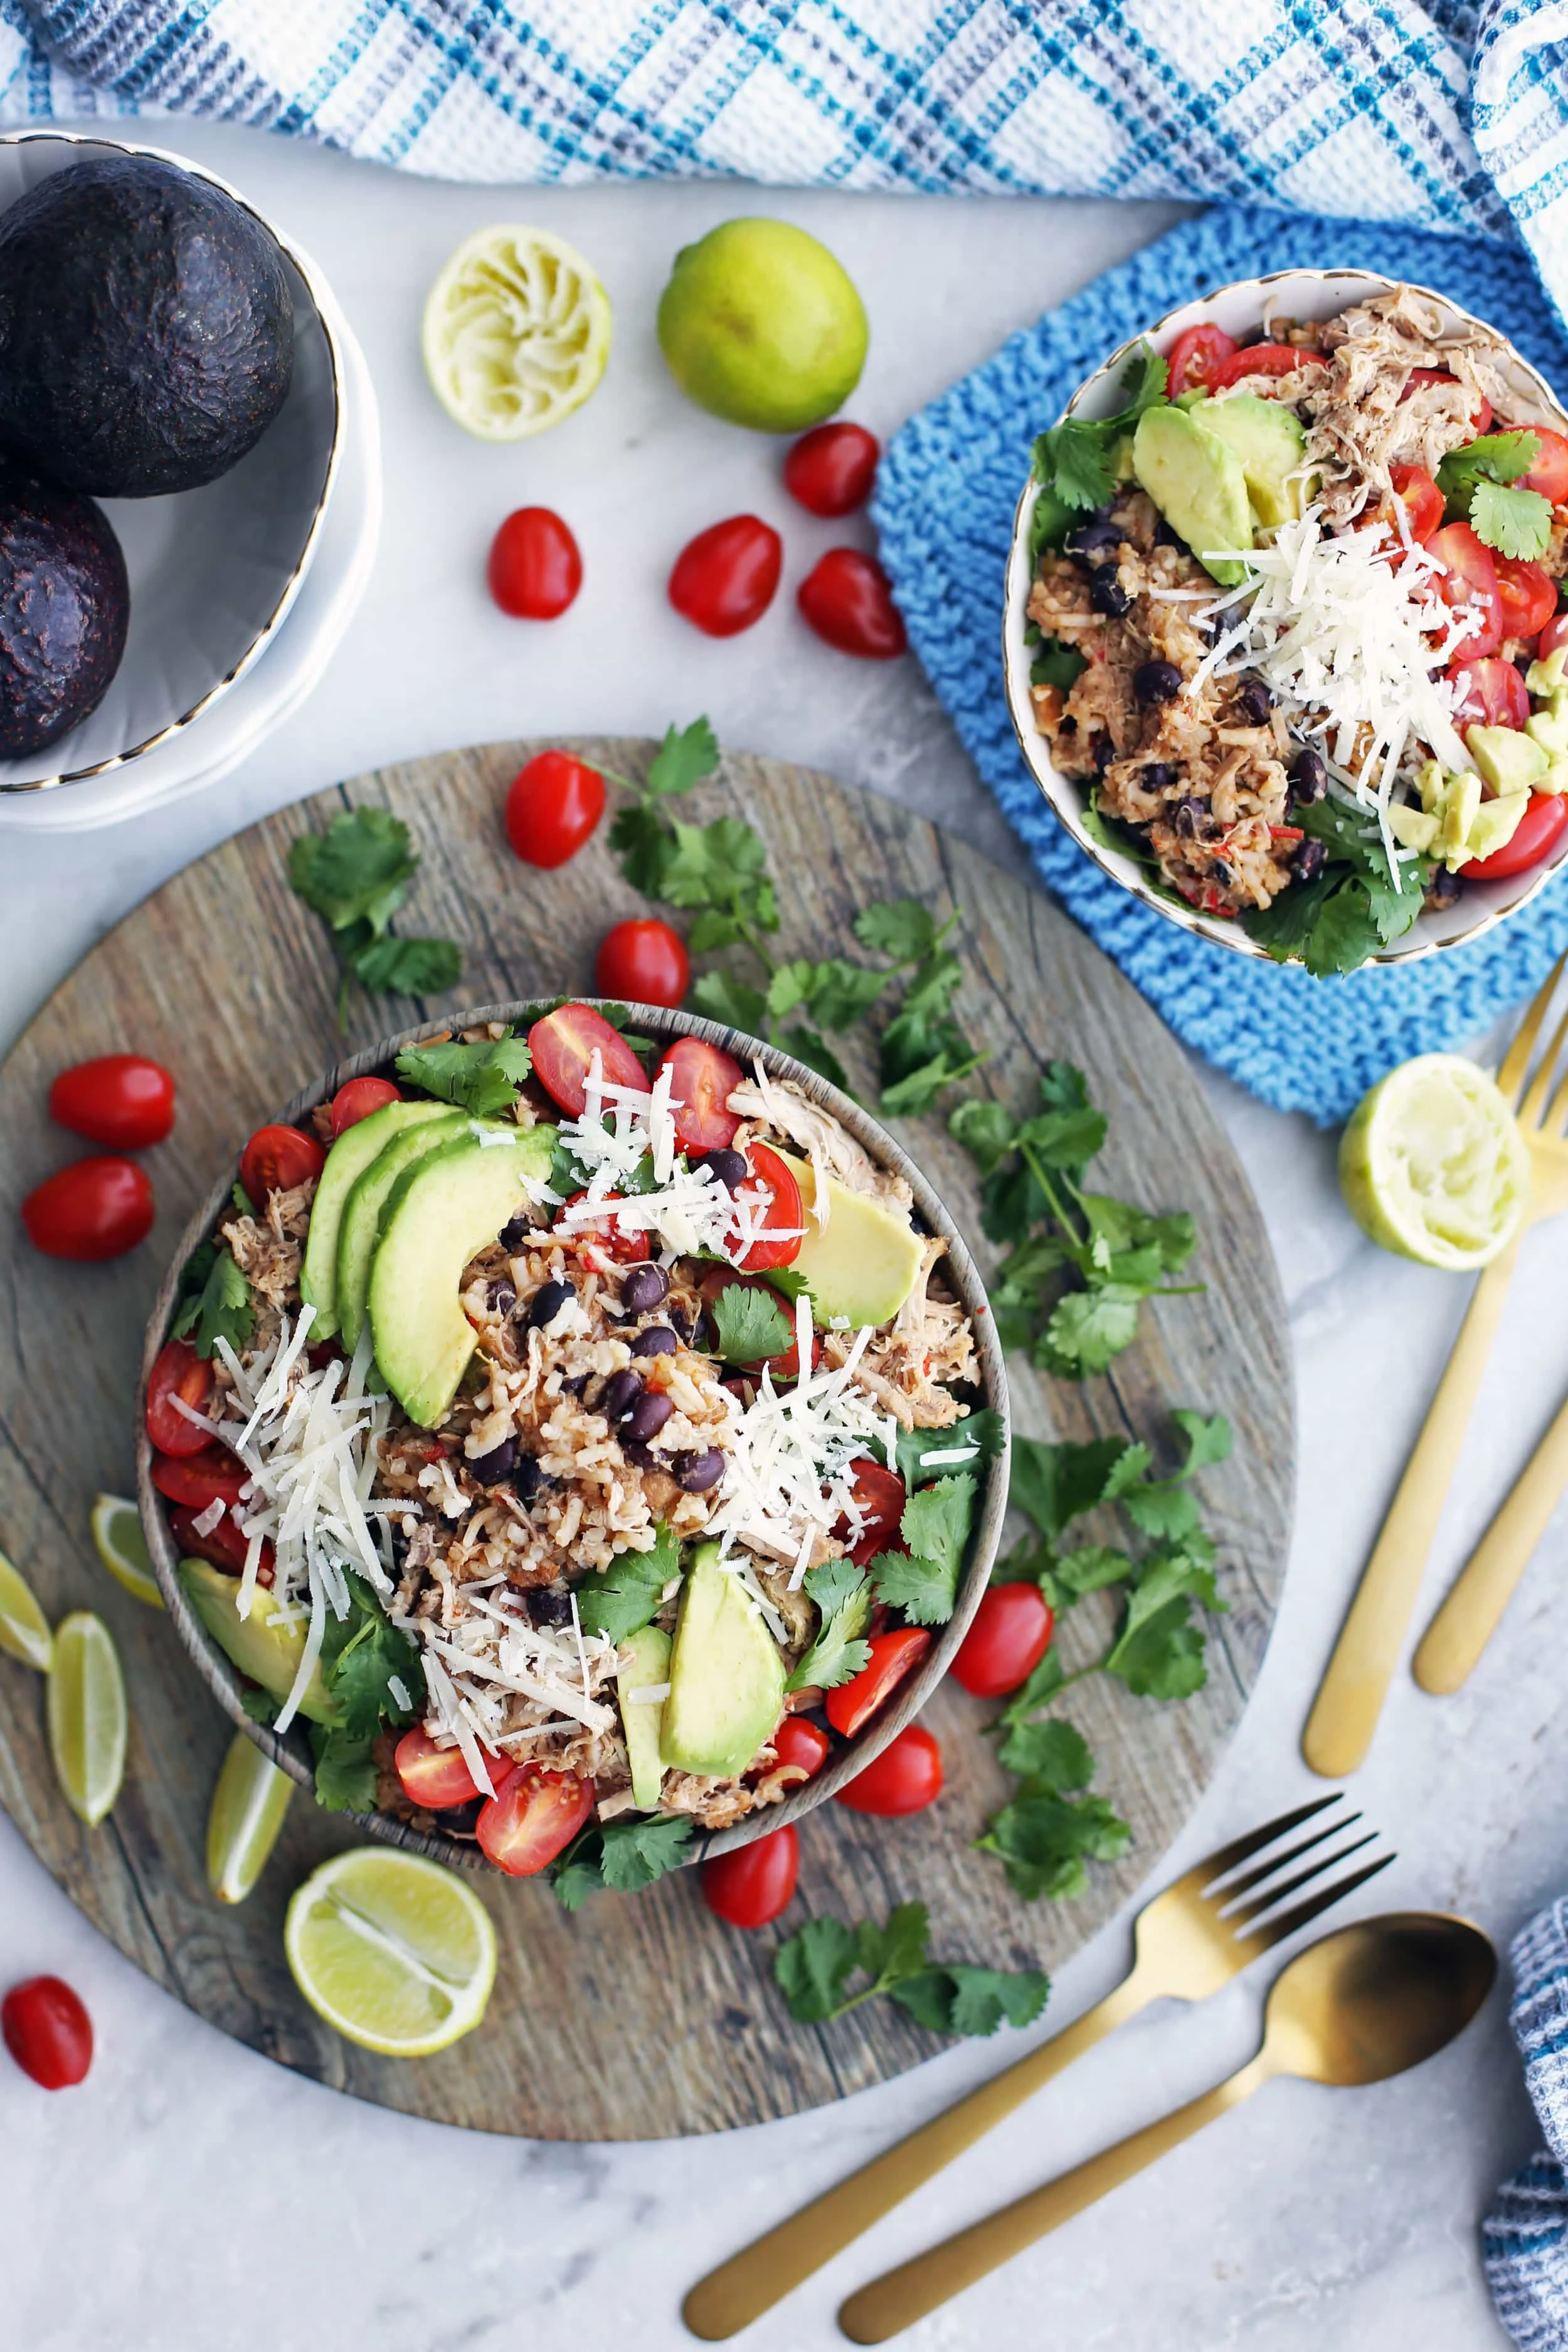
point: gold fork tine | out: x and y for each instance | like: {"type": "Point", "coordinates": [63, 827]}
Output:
{"type": "Point", "coordinates": [1216, 1865]}
{"type": "Point", "coordinates": [1272, 1894]}
{"type": "Point", "coordinates": [1274, 1931]}
{"type": "Point", "coordinates": [1530, 1108]}
{"type": "Point", "coordinates": [1225, 1896]}
{"type": "Point", "coordinates": [1511, 1077]}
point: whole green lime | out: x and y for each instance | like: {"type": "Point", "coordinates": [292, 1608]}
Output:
{"type": "Point", "coordinates": [762, 326]}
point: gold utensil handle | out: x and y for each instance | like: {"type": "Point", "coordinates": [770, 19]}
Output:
{"type": "Point", "coordinates": [875, 2311]}
{"type": "Point", "coordinates": [1350, 1698]}
{"type": "Point", "coordinates": [753, 2281]}
{"type": "Point", "coordinates": [1454, 1641]}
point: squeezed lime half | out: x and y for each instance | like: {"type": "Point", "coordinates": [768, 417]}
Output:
{"type": "Point", "coordinates": [516, 333]}
{"type": "Point", "coordinates": [1433, 1166]}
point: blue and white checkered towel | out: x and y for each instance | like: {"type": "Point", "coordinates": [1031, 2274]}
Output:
{"type": "Point", "coordinates": [1525, 2246]}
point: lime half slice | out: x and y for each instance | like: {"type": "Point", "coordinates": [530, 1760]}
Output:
{"type": "Point", "coordinates": [122, 1547]}
{"type": "Point", "coordinates": [87, 1716]}
{"type": "Point", "coordinates": [248, 1808]}
{"type": "Point", "coordinates": [393, 1952]}
{"type": "Point", "coordinates": [23, 1628]}
{"type": "Point", "coordinates": [1433, 1166]}
{"type": "Point", "coordinates": [516, 333]}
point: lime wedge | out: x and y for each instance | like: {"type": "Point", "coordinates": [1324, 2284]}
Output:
{"type": "Point", "coordinates": [393, 1952]}
{"type": "Point", "coordinates": [248, 1808]}
{"type": "Point", "coordinates": [516, 333]}
{"type": "Point", "coordinates": [23, 1628]}
{"type": "Point", "coordinates": [1433, 1166]}
{"type": "Point", "coordinates": [87, 1716]}
{"type": "Point", "coordinates": [122, 1547]}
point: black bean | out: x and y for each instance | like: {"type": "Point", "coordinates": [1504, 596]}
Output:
{"type": "Point", "coordinates": [648, 1415]}
{"type": "Point", "coordinates": [1095, 533]}
{"type": "Point", "coordinates": [1255, 699]}
{"type": "Point", "coordinates": [459, 1820]}
{"type": "Point", "coordinates": [643, 1288]}
{"type": "Point", "coordinates": [1307, 860]}
{"type": "Point", "coordinates": [527, 1478]}
{"type": "Point", "coordinates": [1156, 682]}
{"type": "Point", "coordinates": [1165, 536]}
{"type": "Point", "coordinates": [576, 1387]}
{"type": "Point", "coordinates": [641, 1457]}
{"type": "Point", "coordinates": [513, 1235]}
{"type": "Point", "coordinates": [548, 1301]}
{"type": "Point", "coordinates": [618, 1394]}
{"type": "Point", "coordinates": [695, 1472]}
{"type": "Point", "coordinates": [1107, 594]}
{"type": "Point", "coordinates": [658, 1339]}
{"type": "Point", "coordinates": [502, 1298]}
{"type": "Point", "coordinates": [547, 1605]}
{"type": "Point", "coordinates": [1191, 816]}
{"type": "Point", "coordinates": [1309, 777]}
{"type": "Point", "coordinates": [1104, 753]}
{"type": "Point", "coordinates": [1220, 871]}
{"type": "Point", "coordinates": [682, 1325]}
{"type": "Point", "coordinates": [1444, 890]}
{"type": "Point", "coordinates": [1159, 775]}
{"type": "Point", "coordinates": [492, 1469]}
{"type": "Point", "coordinates": [729, 1168]}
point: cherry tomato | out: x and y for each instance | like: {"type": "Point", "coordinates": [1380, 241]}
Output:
{"type": "Point", "coordinates": [438, 1776]}
{"type": "Point", "coordinates": [1548, 474]}
{"type": "Point", "coordinates": [1553, 635]}
{"type": "Point", "coordinates": [563, 1044]}
{"type": "Point", "coordinates": [785, 1366]}
{"type": "Point", "coordinates": [1418, 494]}
{"type": "Point", "coordinates": [755, 1882]}
{"type": "Point", "coordinates": [1529, 596]}
{"type": "Point", "coordinates": [1480, 418]}
{"type": "Point", "coordinates": [849, 600]}
{"type": "Point", "coordinates": [881, 1494]}
{"type": "Point", "coordinates": [95, 1209]}
{"type": "Point", "coordinates": [725, 577]}
{"type": "Point", "coordinates": [701, 1080]}
{"type": "Point", "coordinates": [1467, 583]}
{"type": "Point", "coordinates": [772, 1199]}
{"type": "Point", "coordinates": [1010, 1634]}
{"type": "Point", "coordinates": [223, 1546]}
{"type": "Point", "coordinates": [276, 1159]}
{"type": "Point", "coordinates": [904, 1779]}
{"type": "Point", "coordinates": [894, 1655]}
{"type": "Point", "coordinates": [1195, 356]}
{"type": "Point", "coordinates": [358, 1098]}
{"type": "Point", "coordinates": [612, 1243]}
{"type": "Point", "coordinates": [552, 807]}
{"type": "Point", "coordinates": [48, 2032]}
{"type": "Point", "coordinates": [179, 1371]}
{"type": "Point", "coordinates": [122, 1100]}
{"type": "Point", "coordinates": [1538, 831]}
{"type": "Point", "coordinates": [533, 1817]}
{"type": "Point", "coordinates": [1492, 693]}
{"type": "Point", "coordinates": [535, 569]}
{"type": "Point", "coordinates": [644, 961]}
{"type": "Point", "coordinates": [196, 1480]}
{"type": "Point", "coordinates": [802, 1745]}
{"type": "Point", "coordinates": [830, 470]}
{"type": "Point", "coordinates": [1262, 359]}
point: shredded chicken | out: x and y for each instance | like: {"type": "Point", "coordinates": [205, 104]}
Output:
{"type": "Point", "coordinates": [783, 1106]}
{"type": "Point", "coordinates": [270, 1250]}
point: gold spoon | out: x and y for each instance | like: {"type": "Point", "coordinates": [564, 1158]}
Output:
{"type": "Point", "coordinates": [1356, 2007]}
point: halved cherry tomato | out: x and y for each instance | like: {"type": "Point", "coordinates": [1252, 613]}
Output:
{"type": "Point", "coordinates": [533, 1817]}
{"type": "Point", "coordinates": [756, 1882]}
{"type": "Point", "coordinates": [1009, 1634]}
{"type": "Point", "coordinates": [1553, 635]}
{"type": "Point", "coordinates": [563, 1044]}
{"type": "Point", "coordinates": [276, 1159]}
{"type": "Point", "coordinates": [551, 806]}
{"type": "Point", "coordinates": [1419, 496]}
{"type": "Point", "coordinates": [831, 469]}
{"type": "Point", "coordinates": [610, 1242]}
{"type": "Point", "coordinates": [725, 577]}
{"type": "Point", "coordinates": [179, 1371]}
{"type": "Point", "coordinates": [222, 1547]}
{"type": "Point", "coordinates": [47, 2030]}
{"type": "Point", "coordinates": [95, 1209]}
{"type": "Point", "coordinates": [1537, 834]}
{"type": "Point", "coordinates": [880, 1496]}
{"type": "Point", "coordinates": [357, 1099]}
{"type": "Point", "coordinates": [197, 1480]}
{"type": "Point", "coordinates": [1262, 359]}
{"type": "Point", "coordinates": [122, 1100]}
{"type": "Point", "coordinates": [785, 1365]}
{"type": "Point", "coordinates": [848, 599]}
{"type": "Point", "coordinates": [801, 1744]}
{"type": "Point", "coordinates": [1492, 693]}
{"type": "Point", "coordinates": [701, 1080]}
{"type": "Point", "coordinates": [904, 1779]}
{"type": "Point", "coordinates": [438, 1776]}
{"type": "Point", "coordinates": [1468, 584]}
{"type": "Point", "coordinates": [644, 961]}
{"type": "Point", "coordinates": [1548, 474]}
{"type": "Point", "coordinates": [772, 1198]}
{"type": "Point", "coordinates": [1193, 358]}
{"type": "Point", "coordinates": [1480, 418]}
{"type": "Point", "coordinates": [535, 568]}
{"type": "Point", "coordinates": [894, 1655]}
{"type": "Point", "coordinates": [1529, 596]}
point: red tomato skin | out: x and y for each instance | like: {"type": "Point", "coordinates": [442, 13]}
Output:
{"type": "Point", "coordinates": [358, 1098]}
{"type": "Point", "coordinates": [1193, 357]}
{"type": "Point", "coordinates": [1467, 583]}
{"type": "Point", "coordinates": [1548, 474]}
{"type": "Point", "coordinates": [438, 1776]}
{"type": "Point", "coordinates": [1538, 831]}
{"type": "Point", "coordinates": [276, 1159]}
{"type": "Point", "coordinates": [551, 806]}
{"type": "Point", "coordinates": [771, 1173]}
{"type": "Point", "coordinates": [223, 1547]}
{"type": "Point", "coordinates": [1529, 596]}
{"type": "Point", "coordinates": [178, 1372]}
{"type": "Point", "coordinates": [644, 961]}
{"type": "Point", "coordinates": [536, 567]}
{"type": "Point", "coordinates": [1480, 418]}
{"type": "Point", "coordinates": [1262, 359]}
{"type": "Point", "coordinates": [96, 1209]}
{"type": "Point", "coordinates": [724, 580]}
{"type": "Point", "coordinates": [803, 1744]}
{"type": "Point", "coordinates": [893, 1657]}
{"type": "Point", "coordinates": [702, 1079]}
{"type": "Point", "coordinates": [1492, 693]}
{"type": "Point", "coordinates": [1553, 635]}
{"type": "Point", "coordinates": [120, 1100]}
{"type": "Point", "coordinates": [195, 1480]}
{"type": "Point", "coordinates": [830, 470]}
{"type": "Point", "coordinates": [847, 601]}
{"type": "Point", "coordinates": [533, 1818]}
{"type": "Point", "coordinates": [563, 1044]}
{"type": "Point", "coordinates": [1009, 1634]}
{"type": "Point", "coordinates": [904, 1779]}
{"type": "Point", "coordinates": [613, 1242]}
{"type": "Point", "coordinates": [1423, 502]}
{"type": "Point", "coordinates": [756, 1882]}
{"type": "Point", "coordinates": [882, 1495]}
{"type": "Point", "coordinates": [48, 2032]}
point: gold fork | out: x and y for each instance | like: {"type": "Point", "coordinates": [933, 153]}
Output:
{"type": "Point", "coordinates": [1350, 1698]}
{"type": "Point", "coordinates": [1188, 1942]}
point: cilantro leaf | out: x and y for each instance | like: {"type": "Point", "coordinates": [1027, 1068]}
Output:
{"type": "Point", "coordinates": [1208, 1440]}
{"type": "Point", "coordinates": [629, 1593]}
{"type": "Point", "coordinates": [788, 1281]}
{"type": "Point", "coordinates": [1517, 523]}
{"type": "Point", "coordinates": [362, 1654]}
{"type": "Point", "coordinates": [971, 2000]}
{"type": "Point", "coordinates": [1052, 1755]}
{"type": "Point", "coordinates": [812, 1968]}
{"type": "Point", "coordinates": [1088, 1328]}
{"type": "Point", "coordinates": [682, 759]}
{"type": "Point", "coordinates": [1166, 1512]}
{"type": "Point", "coordinates": [220, 1308]}
{"type": "Point", "coordinates": [733, 1002]}
{"type": "Point", "coordinates": [575, 1874]}
{"type": "Point", "coordinates": [346, 1770]}
{"type": "Point", "coordinates": [1090, 1568]}
{"type": "Point", "coordinates": [414, 966]}
{"type": "Point", "coordinates": [1075, 460]}
{"type": "Point", "coordinates": [1057, 665]}
{"type": "Point", "coordinates": [834, 1583]}
{"type": "Point", "coordinates": [482, 1078]}
{"type": "Point", "coordinates": [749, 1326]}
{"type": "Point", "coordinates": [923, 1582]}
{"type": "Point", "coordinates": [981, 1429]}
{"type": "Point", "coordinates": [718, 864]}
{"type": "Point", "coordinates": [899, 927]}
{"type": "Point", "coordinates": [841, 993]}
{"type": "Point", "coordinates": [986, 1127]}
{"type": "Point", "coordinates": [357, 871]}
{"type": "Point", "coordinates": [635, 1853]}
{"type": "Point", "coordinates": [838, 1652]}
{"type": "Point", "coordinates": [1044, 1841]}
{"type": "Point", "coordinates": [1055, 1483]}
{"type": "Point", "coordinates": [1037, 1692]}
{"type": "Point", "coordinates": [1159, 1651]}
{"type": "Point", "coordinates": [1494, 457]}
{"type": "Point", "coordinates": [1353, 909]}
{"type": "Point", "coordinates": [642, 842]}
{"type": "Point", "coordinates": [817, 1055]}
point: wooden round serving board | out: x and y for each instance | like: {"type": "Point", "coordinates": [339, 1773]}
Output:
{"type": "Point", "coordinates": [640, 2017]}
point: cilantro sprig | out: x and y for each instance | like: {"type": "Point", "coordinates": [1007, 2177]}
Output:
{"type": "Point", "coordinates": [749, 1326]}
{"type": "Point", "coordinates": [361, 1655]}
{"type": "Point", "coordinates": [355, 876]}
{"type": "Point", "coordinates": [1074, 462]}
{"type": "Point", "coordinates": [629, 1593]}
{"type": "Point", "coordinates": [1357, 905]}
{"type": "Point", "coordinates": [483, 1077]}
{"type": "Point", "coordinates": [1476, 483]}
{"type": "Point", "coordinates": [828, 1968]}
{"type": "Point", "coordinates": [214, 1300]}
{"type": "Point", "coordinates": [624, 1855]}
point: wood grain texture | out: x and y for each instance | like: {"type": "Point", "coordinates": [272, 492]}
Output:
{"type": "Point", "coordinates": [640, 2017]}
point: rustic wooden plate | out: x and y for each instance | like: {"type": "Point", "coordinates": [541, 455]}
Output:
{"type": "Point", "coordinates": [640, 2017]}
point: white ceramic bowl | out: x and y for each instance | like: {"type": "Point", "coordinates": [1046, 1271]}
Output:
{"type": "Point", "coordinates": [213, 571]}
{"type": "Point", "coordinates": [1239, 310]}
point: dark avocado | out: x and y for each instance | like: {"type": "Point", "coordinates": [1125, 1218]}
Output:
{"type": "Point", "coordinates": [146, 332]}
{"type": "Point", "coordinates": [64, 604]}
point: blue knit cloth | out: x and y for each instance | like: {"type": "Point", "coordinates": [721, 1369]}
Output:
{"type": "Point", "coordinates": [944, 505]}
{"type": "Point", "coordinates": [1525, 2244]}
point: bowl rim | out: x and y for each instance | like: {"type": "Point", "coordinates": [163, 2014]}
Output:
{"type": "Point", "coordinates": [291, 1753]}
{"type": "Point", "coordinates": [1060, 793]}
{"type": "Point", "coordinates": [322, 302]}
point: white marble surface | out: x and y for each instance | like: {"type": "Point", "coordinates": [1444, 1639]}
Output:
{"type": "Point", "coordinates": [193, 2196]}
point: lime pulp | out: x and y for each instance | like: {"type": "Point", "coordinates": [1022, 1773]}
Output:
{"type": "Point", "coordinates": [395, 1952]}
{"type": "Point", "coordinates": [1433, 1167]}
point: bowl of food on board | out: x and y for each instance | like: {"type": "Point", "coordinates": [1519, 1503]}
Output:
{"type": "Point", "coordinates": [572, 1440]}
{"type": "Point", "coordinates": [1282, 639]}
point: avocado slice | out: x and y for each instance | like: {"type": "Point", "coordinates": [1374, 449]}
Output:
{"type": "Point", "coordinates": [1510, 762]}
{"type": "Point", "coordinates": [726, 1674]}
{"type": "Point", "coordinates": [440, 1213]}
{"type": "Point", "coordinates": [863, 1267]}
{"type": "Point", "coordinates": [1413, 828]}
{"type": "Point", "coordinates": [1546, 677]}
{"type": "Point", "coordinates": [1495, 824]}
{"type": "Point", "coordinates": [648, 1656]}
{"type": "Point", "coordinates": [347, 1160]}
{"type": "Point", "coordinates": [1461, 800]}
{"type": "Point", "coordinates": [267, 1651]}
{"type": "Point", "coordinates": [1548, 727]}
{"type": "Point", "coordinates": [360, 1221]}
{"type": "Point", "coordinates": [1269, 440]}
{"type": "Point", "coordinates": [1198, 485]}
